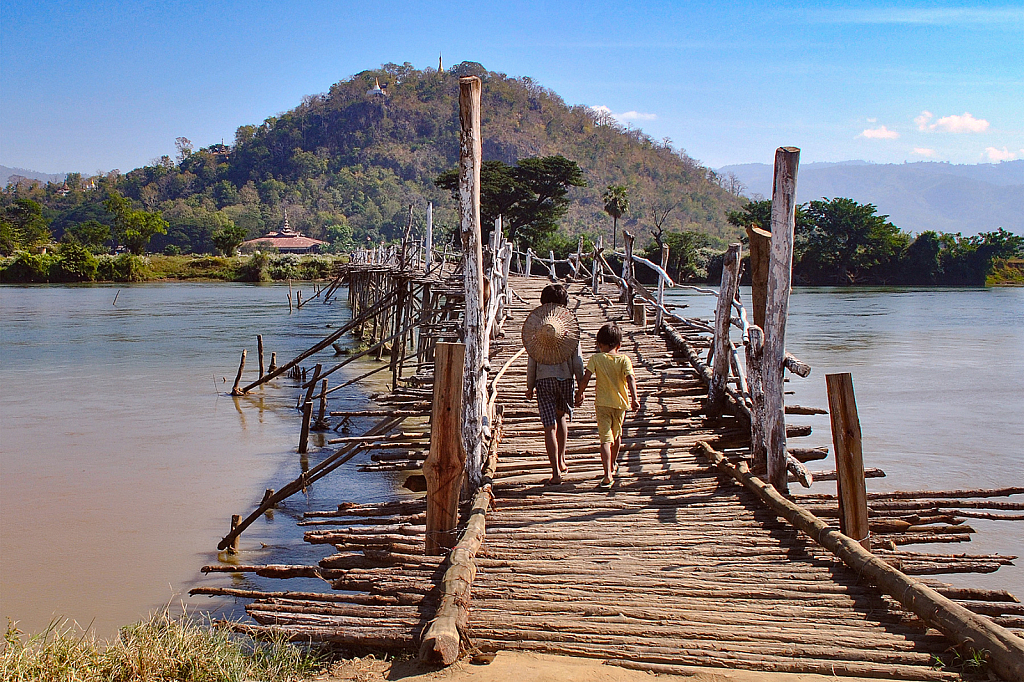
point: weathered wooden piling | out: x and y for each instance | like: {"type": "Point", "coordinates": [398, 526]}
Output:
{"type": "Point", "coordinates": [853, 502]}
{"type": "Point", "coordinates": [444, 465]}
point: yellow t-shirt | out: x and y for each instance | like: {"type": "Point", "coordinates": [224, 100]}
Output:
{"type": "Point", "coordinates": [611, 372]}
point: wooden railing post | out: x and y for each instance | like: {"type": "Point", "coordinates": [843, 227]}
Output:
{"type": "Point", "coordinates": [721, 349]}
{"type": "Point", "coordinates": [659, 314]}
{"type": "Point", "coordinates": [429, 247]}
{"type": "Point", "coordinates": [760, 244]}
{"type": "Point", "coordinates": [627, 271]}
{"type": "Point", "coordinates": [529, 261]}
{"type": "Point", "coordinates": [443, 467]}
{"type": "Point", "coordinates": [474, 385]}
{"type": "Point", "coordinates": [853, 500]}
{"type": "Point", "coordinates": [780, 272]}
{"type": "Point", "coordinates": [595, 276]}
{"type": "Point", "coordinates": [755, 358]}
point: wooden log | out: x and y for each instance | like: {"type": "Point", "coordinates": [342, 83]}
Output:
{"type": "Point", "coordinates": [846, 436]}
{"type": "Point", "coordinates": [639, 313]}
{"type": "Point", "coordinates": [238, 377]}
{"type": "Point", "coordinates": [660, 308]}
{"type": "Point", "coordinates": [307, 413]}
{"type": "Point", "coordinates": [474, 391]}
{"type": "Point", "coordinates": [444, 466]}
{"type": "Point", "coordinates": [808, 454]}
{"type": "Point", "coordinates": [723, 323]}
{"type": "Point", "coordinates": [1005, 650]}
{"type": "Point", "coordinates": [798, 409]}
{"type": "Point", "coordinates": [273, 363]}
{"type": "Point", "coordinates": [796, 366]}
{"type": "Point", "coordinates": [627, 272]}
{"type": "Point", "coordinates": [780, 271]}
{"type": "Point", "coordinates": [235, 520]}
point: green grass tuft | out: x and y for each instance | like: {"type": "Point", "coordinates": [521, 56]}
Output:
{"type": "Point", "coordinates": [162, 648]}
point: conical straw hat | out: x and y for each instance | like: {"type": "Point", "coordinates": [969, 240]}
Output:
{"type": "Point", "coordinates": [551, 334]}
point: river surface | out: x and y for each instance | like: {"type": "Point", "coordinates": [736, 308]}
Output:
{"type": "Point", "coordinates": [122, 458]}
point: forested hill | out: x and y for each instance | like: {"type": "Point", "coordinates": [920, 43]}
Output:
{"type": "Point", "coordinates": [346, 165]}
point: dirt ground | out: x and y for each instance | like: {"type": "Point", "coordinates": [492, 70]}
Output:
{"type": "Point", "coordinates": [527, 667]}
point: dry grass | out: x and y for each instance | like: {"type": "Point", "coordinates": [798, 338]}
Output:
{"type": "Point", "coordinates": [160, 649]}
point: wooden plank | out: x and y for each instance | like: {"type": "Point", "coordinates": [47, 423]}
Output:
{"type": "Point", "coordinates": [846, 436]}
{"type": "Point", "coordinates": [444, 465]}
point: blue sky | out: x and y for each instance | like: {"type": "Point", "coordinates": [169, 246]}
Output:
{"type": "Point", "coordinates": [102, 85]}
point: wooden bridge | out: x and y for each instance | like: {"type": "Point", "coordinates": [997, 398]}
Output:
{"type": "Point", "coordinates": [689, 560]}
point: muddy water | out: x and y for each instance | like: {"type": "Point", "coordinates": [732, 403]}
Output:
{"type": "Point", "coordinates": [121, 456]}
{"type": "Point", "coordinates": [939, 379]}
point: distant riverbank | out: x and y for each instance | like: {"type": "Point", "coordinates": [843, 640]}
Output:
{"type": "Point", "coordinates": [81, 266]}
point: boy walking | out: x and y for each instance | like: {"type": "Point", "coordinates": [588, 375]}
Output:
{"type": "Point", "coordinates": [615, 393]}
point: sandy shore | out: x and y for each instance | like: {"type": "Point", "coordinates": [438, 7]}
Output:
{"type": "Point", "coordinates": [528, 667]}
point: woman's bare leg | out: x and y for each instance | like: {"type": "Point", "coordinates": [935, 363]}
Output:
{"type": "Point", "coordinates": [562, 434]}
{"type": "Point", "coordinates": [551, 445]}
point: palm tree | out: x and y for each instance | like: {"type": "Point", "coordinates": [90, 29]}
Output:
{"type": "Point", "coordinates": [616, 202]}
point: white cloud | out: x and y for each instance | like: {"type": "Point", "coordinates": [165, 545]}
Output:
{"type": "Point", "coordinates": [1000, 154]}
{"type": "Point", "coordinates": [960, 124]}
{"type": "Point", "coordinates": [880, 133]}
{"type": "Point", "coordinates": [924, 151]}
{"type": "Point", "coordinates": [999, 17]}
{"type": "Point", "coordinates": [872, 120]}
{"type": "Point", "coordinates": [602, 110]}
{"type": "Point", "coordinates": [922, 120]}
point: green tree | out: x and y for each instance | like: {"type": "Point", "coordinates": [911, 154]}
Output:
{"type": "Point", "coordinates": [689, 254]}
{"type": "Point", "coordinates": [228, 238]}
{"type": "Point", "coordinates": [133, 228]}
{"type": "Point", "coordinates": [531, 197]}
{"type": "Point", "coordinates": [616, 202]}
{"type": "Point", "coordinates": [844, 243]}
{"type": "Point", "coordinates": [92, 234]}
{"type": "Point", "coordinates": [22, 226]}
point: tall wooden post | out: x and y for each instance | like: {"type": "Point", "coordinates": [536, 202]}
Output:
{"type": "Point", "coordinates": [259, 348]}
{"type": "Point", "coordinates": [307, 415]}
{"type": "Point", "coordinates": [760, 255]}
{"type": "Point", "coordinates": [474, 383]}
{"type": "Point", "coordinates": [722, 350]}
{"type": "Point", "coordinates": [627, 271]}
{"type": "Point", "coordinates": [595, 276]}
{"type": "Point", "coordinates": [238, 377]}
{"type": "Point", "coordinates": [579, 259]}
{"type": "Point", "coordinates": [755, 360]}
{"type": "Point", "coordinates": [429, 247]}
{"type": "Point", "coordinates": [659, 314]}
{"type": "Point", "coordinates": [551, 269]}
{"type": "Point", "coordinates": [529, 261]}
{"type": "Point", "coordinates": [853, 499]}
{"type": "Point", "coordinates": [443, 467]}
{"type": "Point", "coordinates": [780, 272]}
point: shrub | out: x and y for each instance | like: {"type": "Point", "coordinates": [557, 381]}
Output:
{"type": "Point", "coordinates": [172, 250]}
{"type": "Point", "coordinates": [285, 267]}
{"type": "Point", "coordinates": [28, 267]}
{"type": "Point", "coordinates": [74, 263]}
{"type": "Point", "coordinates": [316, 267]}
{"type": "Point", "coordinates": [124, 268]}
{"type": "Point", "coordinates": [255, 269]}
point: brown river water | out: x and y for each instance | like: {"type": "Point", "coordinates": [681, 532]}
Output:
{"type": "Point", "coordinates": [122, 458]}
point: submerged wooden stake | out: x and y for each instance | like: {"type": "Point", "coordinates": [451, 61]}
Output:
{"type": "Point", "coordinates": [259, 350]}
{"type": "Point", "coordinates": [238, 377]}
{"type": "Point", "coordinates": [235, 520]}
{"type": "Point", "coordinates": [307, 413]}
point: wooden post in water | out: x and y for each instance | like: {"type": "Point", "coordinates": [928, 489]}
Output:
{"type": "Point", "coordinates": [760, 244]}
{"type": "Point", "coordinates": [444, 465]}
{"type": "Point", "coordinates": [755, 360]}
{"type": "Point", "coordinates": [853, 500]}
{"type": "Point", "coordinates": [722, 350]}
{"type": "Point", "coordinates": [307, 414]}
{"type": "Point", "coordinates": [235, 520]}
{"type": "Point", "coordinates": [238, 377]}
{"type": "Point", "coordinates": [320, 423]}
{"type": "Point", "coordinates": [273, 363]}
{"type": "Point", "coordinates": [259, 349]}
{"type": "Point", "coordinates": [474, 384]}
{"type": "Point", "coordinates": [780, 272]}
{"type": "Point", "coordinates": [289, 295]}
{"type": "Point", "coordinates": [659, 314]}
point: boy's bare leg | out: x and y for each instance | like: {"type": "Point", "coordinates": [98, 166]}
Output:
{"type": "Point", "coordinates": [606, 460]}
{"type": "Point", "coordinates": [551, 445]}
{"type": "Point", "coordinates": [562, 435]}
{"type": "Point", "coordinates": [615, 446]}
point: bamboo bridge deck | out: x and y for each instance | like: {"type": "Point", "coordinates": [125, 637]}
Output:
{"type": "Point", "coordinates": [675, 566]}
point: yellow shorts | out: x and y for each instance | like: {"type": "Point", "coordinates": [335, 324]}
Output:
{"type": "Point", "coordinates": [609, 423]}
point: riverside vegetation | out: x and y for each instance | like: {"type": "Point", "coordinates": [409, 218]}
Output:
{"type": "Point", "coordinates": [346, 165]}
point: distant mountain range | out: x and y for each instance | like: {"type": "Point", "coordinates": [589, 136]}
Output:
{"type": "Point", "coordinates": [6, 173]}
{"type": "Point", "coordinates": [916, 196]}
